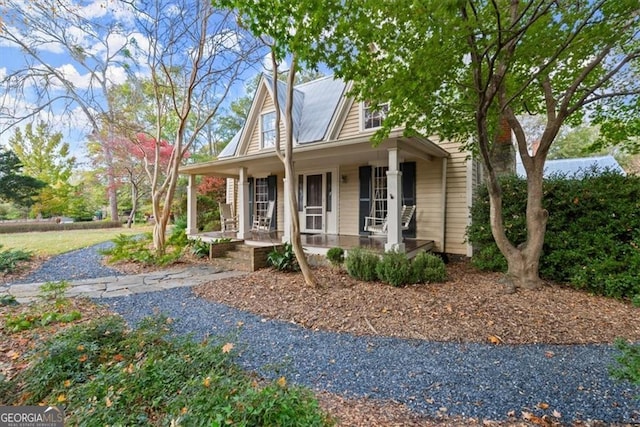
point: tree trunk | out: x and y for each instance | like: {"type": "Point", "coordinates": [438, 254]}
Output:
{"type": "Point", "coordinates": [134, 204]}
{"type": "Point", "coordinates": [503, 156]}
{"type": "Point", "coordinates": [523, 261]}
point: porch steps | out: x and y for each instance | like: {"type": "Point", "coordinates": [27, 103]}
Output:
{"type": "Point", "coordinates": [241, 257]}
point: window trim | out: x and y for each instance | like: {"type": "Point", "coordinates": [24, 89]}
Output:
{"type": "Point", "coordinates": [379, 115]}
{"type": "Point", "coordinates": [263, 132]}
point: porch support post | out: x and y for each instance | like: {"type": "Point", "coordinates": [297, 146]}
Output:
{"type": "Point", "coordinates": [244, 229]}
{"type": "Point", "coordinates": [192, 207]}
{"type": "Point", "coordinates": [394, 203]}
{"type": "Point", "coordinates": [287, 231]}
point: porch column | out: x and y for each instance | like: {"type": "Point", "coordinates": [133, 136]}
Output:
{"type": "Point", "coordinates": [192, 207]}
{"type": "Point", "coordinates": [244, 226]}
{"type": "Point", "coordinates": [394, 204]}
{"type": "Point", "coordinates": [286, 232]}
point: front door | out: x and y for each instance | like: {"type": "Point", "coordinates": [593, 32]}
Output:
{"type": "Point", "coordinates": [314, 206]}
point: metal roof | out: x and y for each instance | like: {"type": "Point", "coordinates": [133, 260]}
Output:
{"type": "Point", "coordinates": [575, 168]}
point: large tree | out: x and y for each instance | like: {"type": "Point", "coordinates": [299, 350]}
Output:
{"type": "Point", "coordinates": [94, 44]}
{"type": "Point", "coordinates": [196, 53]}
{"type": "Point", "coordinates": [46, 156]}
{"type": "Point", "coordinates": [454, 68]}
{"type": "Point", "coordinates": [292, 30]}
{"type": "Point", "coordinates": [15, 186]}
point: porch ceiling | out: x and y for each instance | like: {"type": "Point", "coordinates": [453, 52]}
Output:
{"type": "Point", "coordinates": [342, 152]}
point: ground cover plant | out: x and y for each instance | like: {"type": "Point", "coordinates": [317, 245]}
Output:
{"type": "Point", "coordinates": [103, 372]}
{"type": "Point", "coordinates": [10, 258]}
{"type": "Point", "coordinates": [593, 232]}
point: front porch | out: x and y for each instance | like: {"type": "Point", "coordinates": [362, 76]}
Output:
{"type": "Point", "coordinates": [320, 243]}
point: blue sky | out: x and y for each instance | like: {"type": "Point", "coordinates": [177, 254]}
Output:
{"type": "Point", "coordinates": [101, 44]}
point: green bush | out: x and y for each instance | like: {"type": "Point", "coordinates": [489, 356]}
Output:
{"type": "Point", "coordinates": [9, 259]}
{"type": "Point", "coordinates": [335, 256]}
{"type": "Point", "coordinates": [108, 375]}
{"type": "Point", "coordinates": [428, 268]}
{"type": "Point", "coordinates": [199, 248]}
{"type": "Point", "coordinates": [133, 248]}
{"type": "Point", "coordinates": [593, 231]}
{"type": "Point", "coordinates": [283, 259]}
{"type": "Point", "coordinates": [628, 362]}
{"type": "Point", "coordinates": [24, 227]}
{"type": "Point", "coordinates": [361, 264]}
{"type": "Point", "coordinates": [395, 268]}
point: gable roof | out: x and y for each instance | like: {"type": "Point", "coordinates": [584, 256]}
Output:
{"type": "Point", "coordinates": [575, 168]}
{"type": "Point", "coordinates": [315, 104]}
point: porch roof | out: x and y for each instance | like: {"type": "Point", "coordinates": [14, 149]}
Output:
{"type": "Point", "coordinates": [342, 152]}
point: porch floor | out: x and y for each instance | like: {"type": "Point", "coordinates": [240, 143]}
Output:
{"type": "Point", "coordinates": [322, 241]}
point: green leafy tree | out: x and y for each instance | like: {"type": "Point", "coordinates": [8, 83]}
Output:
{"type": "Point", "coordinates": [291, 30]}
{"type": "Point", "coordinates": [15, 187]}
{"type": "Point", "coordinates": [45, 156]}
{"type": "Point", "coordinates": [455, 68]}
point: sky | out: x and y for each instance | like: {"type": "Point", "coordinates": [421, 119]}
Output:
{"type": "Point", "coordinates": [100, 44]}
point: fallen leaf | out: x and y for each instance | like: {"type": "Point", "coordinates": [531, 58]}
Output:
{"type": "Point", "coordinates": [183, 410]}
{"type": "Point", "coordinates": [67, 383]}
{"type": "Point", "coordinates": [494, 339]}
{"type": "Point", "coordinates": [80, 347]}
{"type": "Point", "coordinates": [108, 402]}
{"type": "Point", "coordinates": [556, 413]}
{"type": "Point", "coordinates": [61, 398]}
{"type": "Point", "coordinates": [227, 347]}
{"type": "Point", "coordinates": [549, 354]}
{"type": "Point", "coordinates": [118, 357]}
{"type": "Point", "coordinates": [83, 358]}
{"type": "Point", "coordinates": [282, 382]}
{"type": "Point", "coordinates": [207, 382]}
{"type": "Point", "coordinates": [543, 405]}
{"type": "Point", "coordinates": [14, 355]}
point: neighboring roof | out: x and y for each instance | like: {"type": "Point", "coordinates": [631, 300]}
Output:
{"type": "Point", "coordinates": [314, 105]}
{"type": "Point", "coordinates": [575, 168]}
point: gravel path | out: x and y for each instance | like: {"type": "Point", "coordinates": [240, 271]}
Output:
{"type": "Point", "coordinates": [75, 265]}
{"type": "Point", "coordinates": [471, 380]}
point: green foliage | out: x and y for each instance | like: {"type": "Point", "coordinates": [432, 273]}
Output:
{"type": "Point", "coordinates": [283, 259]}
{"type": "Point", "coordinates": [428, 268]}
{"type": "Point", "coordinates": [592, 239]}
{"type": "Point", "coordinates": [199, 248]}
{"type": "Point", "coordinates": [134, 248]}
{"type": "Point", "coordinates": [335, 256]}
{"type": "Point", "coordinates": [628, 361]}
{"type": "Point", "coordinates": [361, 264]}
{"type": "Point", "coordinates": [7, 299]}
{"type": "Point", "coordinates": [16, 187]}
{"type": "Point", "coordinates": [178, 236]}
{"type": "Point", "coordinates": [395, 268]}
{"type": "Point", "coordinates": [109, 375]}
{"type": "Point", "coordinates": [9, 259]}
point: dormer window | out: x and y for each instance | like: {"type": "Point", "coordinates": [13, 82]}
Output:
{"type": "Point", "coordinates": [373, 117]}
{"type": "Point", "coordinates": [268, 127]}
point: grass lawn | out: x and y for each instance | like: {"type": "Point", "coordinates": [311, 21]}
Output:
{"type": "Point", "coordinates": [48, 243]}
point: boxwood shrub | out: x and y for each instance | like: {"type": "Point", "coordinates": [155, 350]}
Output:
{"type": "Point", "coordinates": [593, 232]}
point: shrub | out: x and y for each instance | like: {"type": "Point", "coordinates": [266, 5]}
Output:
{"type": "Point", "coordinates": [361, 264]}
{"type": "Point", "coordinates": [283, 259]}
{"type": "Point", "coordinates": [428, 268]}
{"type": "Point", "coordinates": [9, 259]}
{"type": "Point", "coordinates": [628, 360]}
{"type": "Point", "coordinates": [395, 268]}
{"type": "Point", "coordinates": [138, 249]}
{"type": "Point", "coordinates": [335, 256]}
{"type": "Point", "coordinates": [593, 230]}
{"type": "Point", "coordinates": [108, 375]}
{"type": "Point", "coordinates": [199, 248]}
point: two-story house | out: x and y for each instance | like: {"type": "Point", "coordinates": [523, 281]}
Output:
{"type": "Point", "coordinates": [342, 180]}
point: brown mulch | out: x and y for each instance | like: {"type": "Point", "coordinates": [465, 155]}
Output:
{"type": "Point", "coordinates": [470, 307]}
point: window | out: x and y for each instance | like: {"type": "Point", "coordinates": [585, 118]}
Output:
{"type": "Point", "coordinates": [268, 135]}
{"type": "Point", "coordinates": [261, 197]}
{"type": "Point", "coordinates": [373, 118]}
{"type": "Point", "coordinates": [379, 198]}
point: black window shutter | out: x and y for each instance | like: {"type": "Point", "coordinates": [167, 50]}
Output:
{"type": "Point", "coordinates": [408, 170]}
{"type": "Point", "coordinates": [365, 196]}
{"type": "Point", "coordinates": [252, 192]}
{"type": "Point", "coordinates": [272, 188]}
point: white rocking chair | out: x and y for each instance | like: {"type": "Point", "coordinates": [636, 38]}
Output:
{"type": "Point", "coordinates": [228, 222]}
{"type": "Point", "coordinates": [263, 223]}
{"type": "Point", "coordinates": [379, 225]}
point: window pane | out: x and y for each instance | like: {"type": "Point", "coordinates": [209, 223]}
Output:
{"type": "Point", "coordinates": [373, 119]}
{"type": "Point", "coordinates": [268, 137]}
